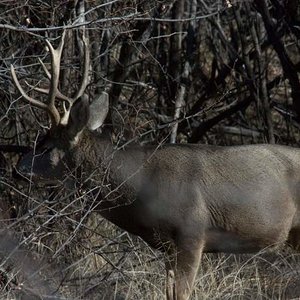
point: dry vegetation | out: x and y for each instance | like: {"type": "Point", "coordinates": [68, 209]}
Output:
{"type": "Point", "coordinates": [228, 79]}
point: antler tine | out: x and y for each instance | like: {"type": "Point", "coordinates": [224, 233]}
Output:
{"type": "Point", "coordinates": [29, 99]}
{"type": "Point", "coordinates": [55, 69]}
{"type": "Point", "coordinates": [85, 77]}
{"type": "Point", "coordinates": [59, 95]}
{"type": "Point", "coordinates": [53, 113]}
{"type": "Point", "coordinates": [84, 81]}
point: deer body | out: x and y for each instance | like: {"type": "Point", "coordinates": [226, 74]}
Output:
{"type": "Point", "coordinates": [181, 199]}
{"type": "Point", "coordinates": [203, 190]}
{"type": "Point", "coordinates": [188, 199]}
{"type": "Point", "coordinates": [235, 199]}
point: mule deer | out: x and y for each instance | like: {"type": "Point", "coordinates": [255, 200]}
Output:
{"type": "Point", "coordinates": [181, 199]}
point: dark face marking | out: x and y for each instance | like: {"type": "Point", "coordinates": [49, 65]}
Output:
{"type": "Point", "coordinates": [50, 159]}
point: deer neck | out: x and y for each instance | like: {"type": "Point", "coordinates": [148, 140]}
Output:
{"type": "Point", "coordinates": [107, 166]}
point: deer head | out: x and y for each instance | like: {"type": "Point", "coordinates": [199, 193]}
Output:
{"type": "Point", "coordinates": [52, 157]}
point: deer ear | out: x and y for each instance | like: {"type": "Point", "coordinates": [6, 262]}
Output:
{"type": "Point", "coordinates": [98, 111]}
{"type": "Point", "coordinates": [79, 115]}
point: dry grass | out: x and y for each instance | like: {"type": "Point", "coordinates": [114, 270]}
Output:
{"type": "Point", "coordinates": [84, 256]}
{"type": "Point", "coordinates": [258, 276]}
{"type": "Point", "coordinates": [110, 264]}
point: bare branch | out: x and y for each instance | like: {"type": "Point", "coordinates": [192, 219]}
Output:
{"type": "Point", "coordinates": [44, 68]}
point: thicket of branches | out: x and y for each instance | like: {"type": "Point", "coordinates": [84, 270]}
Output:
{"type": "Point", "coordinates": [222, 72]}
{"type": "Point", "coordinates": [216, 66]}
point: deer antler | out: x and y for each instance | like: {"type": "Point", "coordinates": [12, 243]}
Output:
{"type": "Point", "coordinates": [52, 110]}
{"type": "Point", "coordinates": [53, 92]}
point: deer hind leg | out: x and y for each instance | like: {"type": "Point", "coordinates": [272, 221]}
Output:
{"type": "Point", "coordinates": [182, 266]}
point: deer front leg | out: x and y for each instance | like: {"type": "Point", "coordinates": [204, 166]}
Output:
{"type": "Point", "coordinates": [182, 266]}
{"type": "Point", "coordinates": [294, 238]}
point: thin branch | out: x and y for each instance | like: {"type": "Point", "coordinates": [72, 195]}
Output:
{"type": "Point", "coordinates": [133, 16]}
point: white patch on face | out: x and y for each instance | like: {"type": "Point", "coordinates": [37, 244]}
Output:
{"type": "Point", "coordinates": [74, 142]}
{"type": "Point", "coordinates": [56, 156]}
